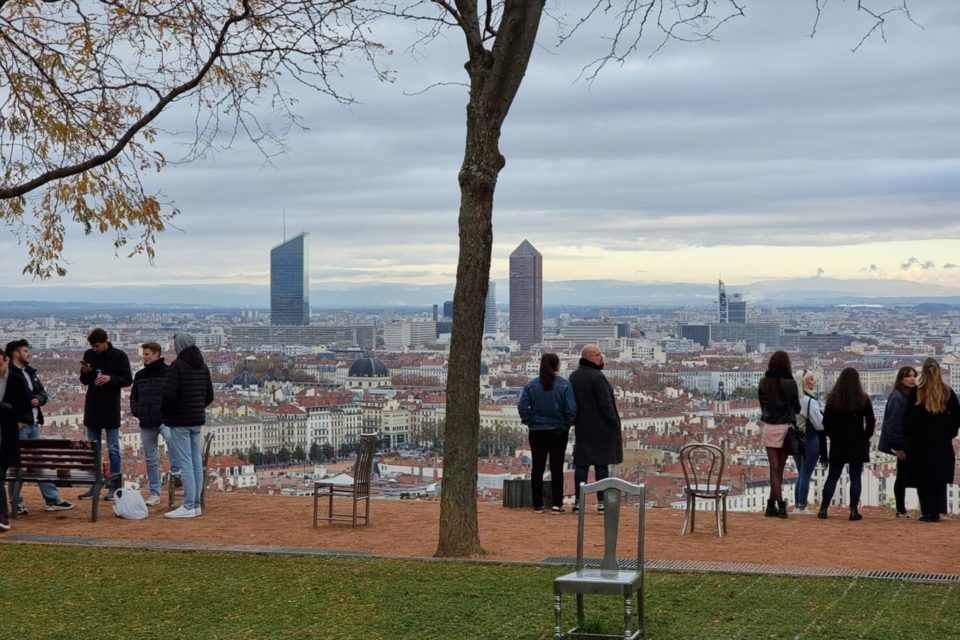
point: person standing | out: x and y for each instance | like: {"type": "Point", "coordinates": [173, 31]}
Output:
{"type": "Point", "coordinates": [14, 402]}
{"type": "Point", "coordinates": [105, 370]}
{"type": "Point", "coordinates": [931, 421]}
{"type": "Point", "coordinates": [146, 401]}
{"type": "Point", "coordinates": [892, 434]}
{"type": "Point", "coordinates": [597, 425]}
{"type": "Point", "coordinates": [811, 420]}
{"type": "Point", "coordinates": [187, 392]}
{"type": "Point", "coordinates": [18, 353]}
{"type": "Point", "coordinates": [849, 422]}
{"type": "Point", "coordinates": [548, 408]}
{"type": "Point", "coordinates": [779, 406]}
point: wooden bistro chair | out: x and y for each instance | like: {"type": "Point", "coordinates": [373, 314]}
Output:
{"type": "Point", "coordinates": [358, 490]}
{"type": "Point", "coordinates": [606, 577]}
{"type": "Point", "coordinates": [703, 473]}
{"type": "Point", "coordinates": [174, 481]}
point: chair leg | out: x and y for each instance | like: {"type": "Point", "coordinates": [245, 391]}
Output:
{"type": "Point", "coordinates": [627, 614]}
{"type": "Point", "coordinates": [95, 507]}
{"type": "Point", "coordinates": [330, 504]}
{"type": "Point", "coordinates": [640, 620]}
{"type": "Point", "coordinates": [316, 498]}
{"type": "Point", "coordinates": [354, 521]}
{"type": "Point", "coordinates": [686, 518]}
{"type": "Point", "coordinates": [366, 518]}
{"type": "Point", "coordinates": [693, 513]}
{"type": "Point", "coordinates": [558, 623]}
{"type": "Point", "coordinates": [171, 490]}
{"type": "Point", "coordinates": [580, 621]}
{"type": "Point", "coordinates": [719, 516]}
{"type": "Point", "coordinates": [724, 514]}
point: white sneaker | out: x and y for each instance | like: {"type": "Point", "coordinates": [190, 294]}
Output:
{"type": "Point", "coordinates": [153, 500]}
{"type": "Point", "coordinates": [181, 512]}
{"type": "Point", "coordinates": [198, 511]}
{"type": "Point", "coordinates": [803, 512]}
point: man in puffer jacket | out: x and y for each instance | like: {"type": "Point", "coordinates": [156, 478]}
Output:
{"type": "Point", "coordinates": [187, 392]}
{"type": "Point", "coordinates": [146, 400]}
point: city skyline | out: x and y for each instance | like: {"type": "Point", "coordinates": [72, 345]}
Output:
{"type": "Point", "coordinates": [769, 152]}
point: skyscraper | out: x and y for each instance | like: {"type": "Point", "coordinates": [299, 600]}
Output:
{"type": "Point", "coordinates": [490, 309]}
{"type": "Point", "coordinates": [290, 281]}
{"type": "Point", "coordinates": [722, 308]}
{"type": "Point", "coordinates": [526, 295]}
{"type": "Point", "coordinates": [736, 309]}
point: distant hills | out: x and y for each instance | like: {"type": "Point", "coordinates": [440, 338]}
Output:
{"type": "Point", "coordinates": [797, 291]}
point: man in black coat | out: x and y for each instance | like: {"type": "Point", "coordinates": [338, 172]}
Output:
{"type": "Point", "coordinates": [597, 427]}
{"type": "Point", "coordinates": [146, 400]}
{"type": "Point", "coordinates": [105, 370]}
{"type": "Point", "coordinates": [29, 420]}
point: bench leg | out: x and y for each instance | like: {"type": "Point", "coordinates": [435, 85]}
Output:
{"type": "Point", "coordinates": [95, 508]}
{"type": "Point", "coordinates": [15, 497]}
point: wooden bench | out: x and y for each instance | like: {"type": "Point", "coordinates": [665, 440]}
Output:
{"type": "Point", "coordinates": [64, 463]}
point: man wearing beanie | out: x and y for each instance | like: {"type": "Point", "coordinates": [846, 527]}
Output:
{"type": "Point", "coordinates": [104, 370]}
{"type": "Point", "coordinates": [187, 392]}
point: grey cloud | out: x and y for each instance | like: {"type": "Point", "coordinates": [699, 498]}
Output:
{"type": "Point", "coordinates": [870, 269]}
{"type": "Point", "coordinates": [950, 265]}
{"type": "Point", "coordinates": [923, 264]}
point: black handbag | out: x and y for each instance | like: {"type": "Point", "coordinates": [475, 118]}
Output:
{"type": "Point", "coordinates": [794, 442]}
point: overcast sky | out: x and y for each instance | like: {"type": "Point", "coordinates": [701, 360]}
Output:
{"type": "Point", "coordinates": [766, 153]}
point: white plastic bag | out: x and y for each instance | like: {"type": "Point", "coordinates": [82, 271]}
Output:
{"type": "Point", "coordinates": [129, 504]}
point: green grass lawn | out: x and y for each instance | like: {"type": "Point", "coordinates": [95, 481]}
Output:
{"type": "Point", "coordinates": [72, 592]}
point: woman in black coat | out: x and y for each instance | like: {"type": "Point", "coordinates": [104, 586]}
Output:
{"type": "Point", "coordinates": [931, 421]}
{"type": "Point", "coordinates": [14, 401]}
{"type": "Point", "coordinates": [893, 436]}
{"type": "Point", "coordinates": [849, 423]}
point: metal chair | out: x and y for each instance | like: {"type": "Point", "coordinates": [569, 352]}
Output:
{"type": "Point", "coordinates": [608, 578]}
{"type": "Point", "coordinates": [358, 490]}
{"type": "Point", "coordinates": [173, 481]}
{"type": "Point", "coordinates": [703, 472]}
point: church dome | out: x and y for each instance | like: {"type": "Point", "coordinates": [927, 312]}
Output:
{"type": "Point", "coordinates": [245, 379]}
{"type": "Point", "coordinates": [368, 368]}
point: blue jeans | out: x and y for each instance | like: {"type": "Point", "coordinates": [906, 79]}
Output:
{"type": "Point", "coordinates": [113, 448]}
{"type": "Point", "coordinates": [855, 469]}
{"type": "Point", "coordinates": [185, 445]}
{"type": "Point", "coordinates": [50, 493]}
{"type": "Point", "coordinates": [580, 474]}
{"type": "Point", "coordinates": [805, 468]}
{"type": "Point", "coordinates": [151, 449]}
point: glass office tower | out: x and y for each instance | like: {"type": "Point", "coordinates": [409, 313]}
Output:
{"type": "Point", "coordinates": [290, 281]}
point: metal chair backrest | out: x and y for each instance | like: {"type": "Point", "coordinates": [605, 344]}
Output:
{"type": "Point", "coordinates": [615, 493]}
{"type": "Point", "coordinates": [702, 466]}
{"type": "Point", "coordinates": [363, 467]}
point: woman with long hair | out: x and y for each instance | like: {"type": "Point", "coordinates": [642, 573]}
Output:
{"type": "Point", "coordinates": [548, 408]}
{"type": "Point", "coordinates": [779, 406]}
{"type": "Point", "coordinates": [811, 421]}
{"type": "Point", "coordinates": [893, 438]}
{"type": "Point", "coordinates": [849, 423]}
{"type": "Point", "coordinates": [931, 422]}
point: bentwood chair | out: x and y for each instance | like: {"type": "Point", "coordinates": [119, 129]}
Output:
{"type": "Point", "coordinates": [605, 576]}
{"type": "Point", "coordinates": [703, 472]}
{"type": "Point", "coordinates": [358, 491]}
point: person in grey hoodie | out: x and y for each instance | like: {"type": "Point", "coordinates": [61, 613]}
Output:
{"type": "Point", "coordinates": [187, 392]}
{"type": "Point", "coordinates": [548, 408]}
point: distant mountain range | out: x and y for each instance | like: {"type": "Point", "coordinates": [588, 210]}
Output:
{"type": "Point", "coordinates": [797, 291]}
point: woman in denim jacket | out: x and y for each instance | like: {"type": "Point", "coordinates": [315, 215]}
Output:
{"type": "Point", "coordinates": [548, 408]}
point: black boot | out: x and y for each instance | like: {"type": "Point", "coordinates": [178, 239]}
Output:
{"type": "Point", "coordinates": [822, 514]}
{"type": "Point", "coordinates": [771, 511]}
{"type": "Point", "coordinates": [781, 508]}
{"type": "Point", "coordinates": [855, 514]}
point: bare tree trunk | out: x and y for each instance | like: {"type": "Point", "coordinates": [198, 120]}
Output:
{"type": "Point", "coordinates": [495, 77]}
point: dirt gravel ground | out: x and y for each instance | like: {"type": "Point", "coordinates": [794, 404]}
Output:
{"type": "Point", "coordinates": [409, 529]}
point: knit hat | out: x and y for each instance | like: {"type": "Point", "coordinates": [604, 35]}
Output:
{"type": "Point", "coordinates": [182, 341]}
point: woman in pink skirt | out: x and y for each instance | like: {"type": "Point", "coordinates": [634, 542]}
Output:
{"type": "Point", "coordinates": [779, 406]}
